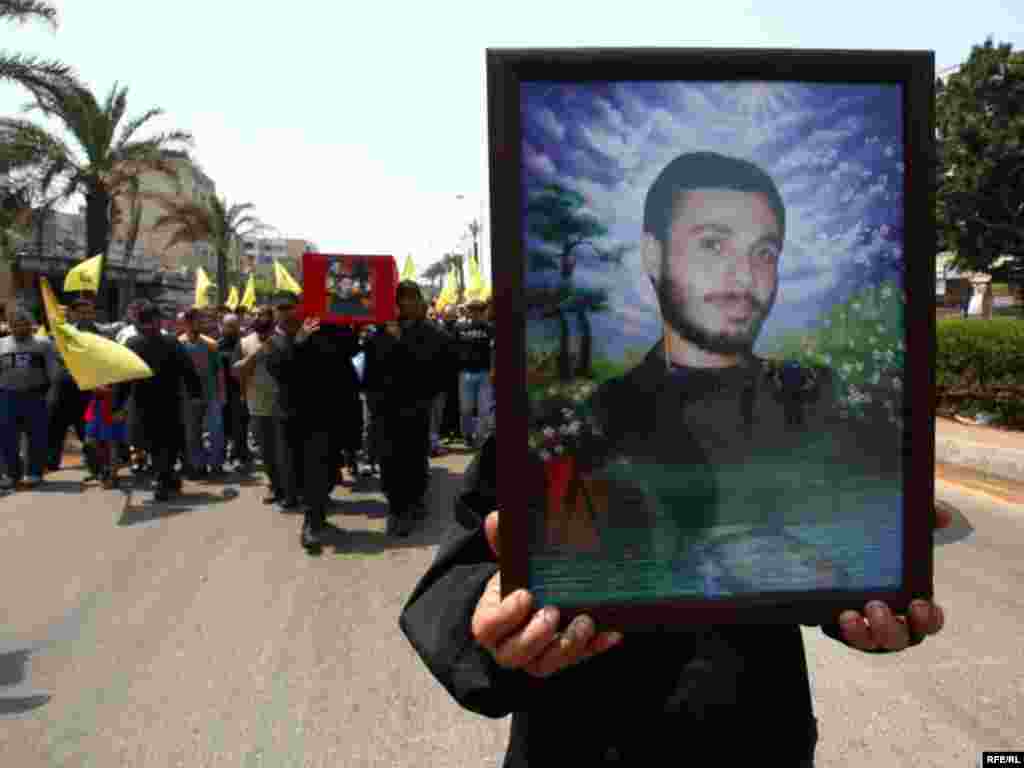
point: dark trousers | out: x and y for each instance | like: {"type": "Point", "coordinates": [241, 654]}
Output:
{"type": "Point", "coordinates": [68, 411]}
{"type": "Point", "coordinates": [405, 458]}
{"type": "Point", "coordinates": [163, 439]}
{"type": "Point", "coordinates": [236, 429]}
{"type": "Point", "coordinates": [307, 464]}
{"type": "Point", "coordinates": [266, 430]}
{"type": "Point", "coordinates": [23, 412]}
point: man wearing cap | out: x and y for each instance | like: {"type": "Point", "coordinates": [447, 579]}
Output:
{"type": "Point", "coordinates": [28, 377]}
{"type": "Point", "coordinates": [158, 400]}
{"type": "Point", "coordinates": [303, 363]}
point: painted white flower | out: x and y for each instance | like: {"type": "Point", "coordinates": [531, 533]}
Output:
{"type": "Point", "coordinates": [549, 433]}
{"type": "Point", "coordinates": [828, 359]}
{"type": "Point", "coordinates": [567, 413]}
{"type": "Point", "coordinates": [563, 430]}
{"type": "Point", "coordinates": [574, 428]}
{"type": "Point", "coordinates": [544, 455]}
{"type": "Point", "coordinates": [876, 378]}
{"type": "Point", "coordinates": [897, 384]}
{"type": "Point", "coordinates": [873, 339]}
{"type": "Point", "coordinates": [856, 306]}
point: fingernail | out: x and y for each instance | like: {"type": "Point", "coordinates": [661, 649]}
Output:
{"type": "Point", "coordinates": [582, 627]}
{"type": "Point", "coordinates": [549, 614]}
{"type": "Point", "coordinates": [876, 611]}
{"type": "Point", "coordinates": [614, 638]}
{"type": "Point", "coordinates": [848, 617]}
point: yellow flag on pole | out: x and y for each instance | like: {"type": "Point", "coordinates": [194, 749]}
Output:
{"type": "Point", "coordinates": [249, 297]}
{"type": "Point", "coordinates": [475, 286]}
{"type": "Point", "coordinates": [232, 302]}
{"type": "Point", "coordinates": [203, 286]}
{"type": "Point", "coordinates": [284, 281]}
{"type": "Point", "coordinates": [449, 292]}
{"type": "Point", "coordinates": [92, 360]}
{"type": "Point", "coordinates": [409, 270]}
{"type": "Point", "coordinates": [86, 276]}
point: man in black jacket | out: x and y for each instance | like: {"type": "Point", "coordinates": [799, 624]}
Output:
{"type": "Point", "coordinates": [694, 409]}
{"type": "Point", "coordinates": [406, 368]}
{"type": "Point", "coordinates": [158, 400]}
{"type": "Point", "coordinates": [313, 396]}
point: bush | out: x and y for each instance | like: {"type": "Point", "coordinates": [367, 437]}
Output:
{"type": "Point", "coordinates": [979, 367]}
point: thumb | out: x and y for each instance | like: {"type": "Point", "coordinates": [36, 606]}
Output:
{"type": "Point", "coordinates": [491, 531]}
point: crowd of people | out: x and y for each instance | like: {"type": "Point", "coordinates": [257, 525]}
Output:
{"type": "Point", "coordinates": [313, 401]}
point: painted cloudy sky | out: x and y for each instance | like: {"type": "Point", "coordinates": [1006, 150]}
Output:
{"type": "Point", "coordinates": [834, 150]}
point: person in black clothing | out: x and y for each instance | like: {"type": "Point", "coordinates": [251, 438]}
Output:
{"type": "Point", "coordinates": [158, 400]}
{"type": "Point", "coordinates": [67, 408]}
{"type": "Point", "coordinates": [313, 397]}
{"type": "Point", "coordinates": [406, 367]}
{"type": "Point", "coordinates": [347, 433]}
{"type": "Point", "coordinates": [713, 229]}
{"type": "Point", "coordinates": [473, 339]}
{"type": "Point", "coordinates": [236, 413]}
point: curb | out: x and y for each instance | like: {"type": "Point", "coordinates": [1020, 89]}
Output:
{"type": "Point", "coordinates": [1006, 463]}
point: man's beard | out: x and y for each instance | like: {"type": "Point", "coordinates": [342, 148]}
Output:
{"type": "Point", "coordinates": [673, 310]}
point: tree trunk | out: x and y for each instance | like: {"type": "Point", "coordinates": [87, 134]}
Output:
{"type": "Point", "coordinates": [222, 276]}
{"type": "Point", "coordinates": [586, 364]}
{"type": "Point", "coordinates": [564, 363]}
{"type": "Point", "coordinates": [97, 228]}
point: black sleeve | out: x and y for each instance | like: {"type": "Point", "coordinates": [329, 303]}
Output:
{"type": "Point", "coordinates": [188, 372]}
{"type": "Point", "coordinates": [282, 357]}
{"type": "Point", "coordinates": [123, 390]}
{"type": "Point", "coordinates": [437, 618]}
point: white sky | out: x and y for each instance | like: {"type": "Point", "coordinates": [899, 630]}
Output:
{"type": "Point", "coordinates": [356, 125]}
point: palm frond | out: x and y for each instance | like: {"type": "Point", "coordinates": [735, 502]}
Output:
{"type": "Point", "coordinates": [38, 76]}
{"type": "Point", "coordinates": [21, 11]}
{"type": "Point", "coordinates": [135, 123]}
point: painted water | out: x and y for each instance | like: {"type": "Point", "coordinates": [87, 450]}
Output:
{"type": "Point", "coordinates": [728, 561]}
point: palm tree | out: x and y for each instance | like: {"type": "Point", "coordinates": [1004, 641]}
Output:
{"type": "Point", "coordinates": [216, 223]}
{"type": "Point", "coordinates": [28, 71]}
{"type": "Point", "coordinates": [106, 165]}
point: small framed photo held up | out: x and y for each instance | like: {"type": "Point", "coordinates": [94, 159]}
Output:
{"type": "Point", "coordinates": [344, 289]}
{"type": "Point", "coordinates": [713, 277]}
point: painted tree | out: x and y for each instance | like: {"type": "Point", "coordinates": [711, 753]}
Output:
{"type": "Point", "coordinates": [557, 218]}
{"type": "Point", "coordinates": [980, 127]}
{"type": "Point", "coordinates": [435, 273]}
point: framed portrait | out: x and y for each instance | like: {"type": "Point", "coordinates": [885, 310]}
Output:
{"type": "Point", "coordinates": [714, 290]}
{"type": "Point", "coordinates": [343, 289]}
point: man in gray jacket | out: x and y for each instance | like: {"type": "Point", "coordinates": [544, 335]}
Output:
{"type": "Point", "coordinates": [28, 373]}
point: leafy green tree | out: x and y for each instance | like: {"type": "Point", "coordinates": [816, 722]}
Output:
{"type": "Point", "coordinates": [435, 273]}
{"type": "Point", "coordinates": [28, 71]}
{"type": "Point", "coordinates": [980, 131]}
{"type": "Point", "coordinates": [103, 165]}
{"type": "Point", "coordinates": [556, 217]}
{"type": "Point", "coordinates": [216, 223]}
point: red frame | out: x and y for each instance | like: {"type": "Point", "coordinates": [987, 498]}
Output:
{"type": "Point", "coordinates": [383, 272]}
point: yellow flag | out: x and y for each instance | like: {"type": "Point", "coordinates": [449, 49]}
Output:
{"type": "Point", "coordinates": [232, 302]}
{"type": "Point", "coordinates": [475, 284]}
{"type": "Point", "coordinates": [409, 270]}
{"type": "Point", "coordinates": [249, 298]}
{"type": "Point", "coordinates": [449, 292]}
{"type": "Point", "coordinates": [203, 285]}
{"type": "Point", "coordinates": [86, 276]}
{"type": "Point", "coordinates": [92, 360]}
{"type": "Point", "coordinates": [283, 281]}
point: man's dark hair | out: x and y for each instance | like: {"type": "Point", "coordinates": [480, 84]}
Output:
{"type": "Point", "coordinates": [407, 287]}
{"type": "Point", "coordinates": [192, 313]}
{"type": "Point", "coordinates": [705, 170]}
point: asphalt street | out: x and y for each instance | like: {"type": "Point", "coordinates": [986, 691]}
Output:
{"type": "Point", "coordinates": [199, 633]}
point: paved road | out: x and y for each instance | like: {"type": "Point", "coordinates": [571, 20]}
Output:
{"type": "Point", "coordinates": [206, 637]}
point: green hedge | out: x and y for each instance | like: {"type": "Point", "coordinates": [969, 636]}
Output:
{"type": "Point", "coordinates": [979, 366]}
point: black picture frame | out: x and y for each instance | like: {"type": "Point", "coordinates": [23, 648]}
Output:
{"type": "Point", "coordinates": [510, 74]}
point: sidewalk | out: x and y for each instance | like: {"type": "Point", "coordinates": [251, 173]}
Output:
{"type": "Point", "coordinates": [989, 450]}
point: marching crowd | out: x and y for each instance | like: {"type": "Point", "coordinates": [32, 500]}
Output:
{"type": "Point", "coordinates": [313, 401]}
